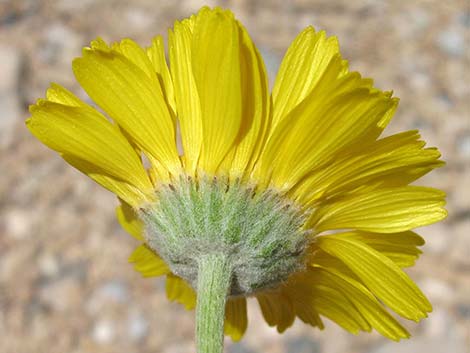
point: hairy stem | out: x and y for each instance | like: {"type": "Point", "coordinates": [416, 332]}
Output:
{"type": "Point", "coordinates": [214, 276]}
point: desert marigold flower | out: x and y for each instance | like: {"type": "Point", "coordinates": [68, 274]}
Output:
{"type": "Point", "coordinates": [290, 197]}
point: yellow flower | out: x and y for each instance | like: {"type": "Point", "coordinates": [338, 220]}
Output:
{"type": "Point", "coordinates": [308, 156]}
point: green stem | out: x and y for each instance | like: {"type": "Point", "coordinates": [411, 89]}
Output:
{"type": "Point", "coordinates": [213, 282]}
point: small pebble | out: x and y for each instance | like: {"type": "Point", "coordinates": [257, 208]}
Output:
{"type": "Point", "coordinates": [108, 293]}
{"type": "Point", "coordinates": [48, 265]}
{"type": "Point", "coordinates": [137, 326]}
{"type": "Point", "coordinates": [452, 42]}
{"type": "Point", "coordinates": [103, 332]}
{"type": "Point", "coordinates": [17, 224]}
{"type": "Point", "coordinates": [114, 290]}
{"type": "Point", "coordinates": [463, 145]}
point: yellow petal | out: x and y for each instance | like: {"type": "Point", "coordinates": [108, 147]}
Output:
{"type": "Point", "coordinates": [124, 190]}
{"type": "Point", "coordinates": [178, 290]}
{"type": "Point", "coordinates": [147, 262]}
{"type": "Point", "coordinates": [302, 68]}
{"type": "Point", "coordinates": [134, 53]}
{"type": "Point", "coordinates": [320, 127]}
{"type": "Point", "coordinates": [405, 177]}
{"type": "Point", "coordinates": [363, 301]}
{"type": "Point", "coordinates": [334, 305]}
{"type": "Point", "coordinates": [132, 99]}
{"type": "Point", "coordinates": [58, 94]}
{"type": "Point", "coordinates": [87, 135]}
{"type": "Point", "coordinates": [188, 107]}
{"type": "Point", "coordinates": [277, 309]}
{"type": "Point", "coordinates": [255, 110]}
{"type": "Point", "coordinates": [401, 248]}
{"type": "Point", "coordinates": [325, 260]}
{"type": "Point", "coordinates": [388, 210]}
{"type": "Point", "coordinates": [100, 44]}
{"type": "Point", "coordinates": [236, 320]}
{"type": "Point", "coordinates": [87, 140]}
{"type": "Point", "coordinates": [387, 162]}
{"type": "Point", "coordinates": [319, 108]}
{"type": "Point", "coordinates": [329, 301]}
{"type": "Point", "coordinates": [156, 54]}
{"type": "Point", "coordinates": [216, 68]}
{"type": "Point", "coordinates": [383, 278]}
{"type": "Point", "coordinates": [129, 221]}
{"type": "Point", "coordinates": [301, 300]}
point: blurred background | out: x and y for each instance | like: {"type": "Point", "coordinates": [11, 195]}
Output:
{"type": "Point", "coordinates": [65, 284]}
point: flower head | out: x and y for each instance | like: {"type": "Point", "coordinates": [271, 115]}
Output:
{"type": "Point", "coordinates": [310, 208]}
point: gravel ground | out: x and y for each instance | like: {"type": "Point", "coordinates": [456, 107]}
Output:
{"type": "Point", "coordinates": [65, 285]}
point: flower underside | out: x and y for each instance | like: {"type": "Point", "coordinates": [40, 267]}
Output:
{"type": "Point", "coordinates": [294, 191]}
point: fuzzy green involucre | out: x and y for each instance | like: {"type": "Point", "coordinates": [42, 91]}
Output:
{"type": "Point", "coordinates": [259, 233]}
